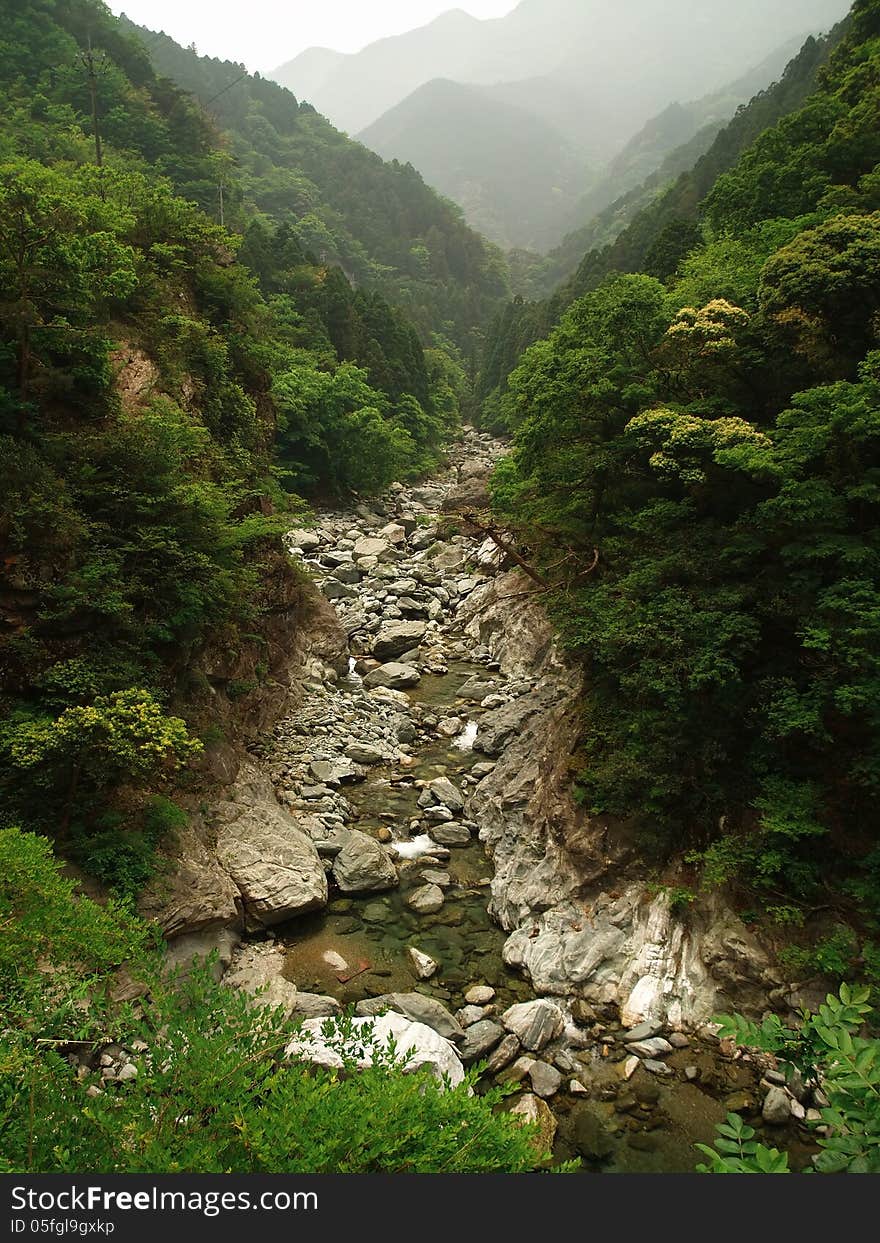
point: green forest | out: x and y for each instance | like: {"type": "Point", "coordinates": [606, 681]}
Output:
{"type": "Point", "coordinates": [218, 314]}
{"type": "Point", "coordinates": [695, 461]}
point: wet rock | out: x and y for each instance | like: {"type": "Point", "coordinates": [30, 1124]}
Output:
{"type": "Point", "coordinates": [393, 677]}
{"type": "Point", "coordinates": [479, 995]}
{"type": "Point", "coordinates": [426, 900]}
{"type": "Point", "coordinates": [535, 1023]}
{"type": "Point", "coordinates": [450, 834]}
{"type": "Point", "coordinates": [363, 866]}
{"type": "Point", "coordinates": [479, 1040]}
{"type": "Point", "coordinates": [417, 1008]}
{"type": "Point", "coordinates": [395, 639]}
{"type": "Point", "coordinates": [546, 1080]}
{"type": "Point", "coordinates": [657, 1068]}
{"type": "Point", "coordinates": [679, 1040]}
{"type": "Point", "coordinates": [443, 881]}
{"type": "Point", "coordinates": [591, 1136]}
{"type": "Point", "coordinates": [424, 965]}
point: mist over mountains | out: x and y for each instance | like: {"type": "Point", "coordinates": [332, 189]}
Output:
{"type": "Point", "coordinates": [568, 83]}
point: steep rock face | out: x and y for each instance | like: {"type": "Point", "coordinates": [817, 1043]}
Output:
{"type": "Point", "coordinates": [569, 888]}
{"type": "Point", "coordinates": [244, 861]}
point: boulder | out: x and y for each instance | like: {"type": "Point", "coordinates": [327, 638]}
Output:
{"type": "Point", "coordinates": [426, 900]}
{"type": "Point", "coordinates": [417, 1008]}
{"type": "Point", "coordinates": [535, 1023]}
{"type": "Point", "coordinates": [393, 677]}
{"type": "Point", "coordinates": [315, 1006]}
{"type": "Point", "coordinates": [418, 1047]}
{"type": "Point", "coordinates": [367, 547]}
{"type": "Point", "coordinates": [273, 863]}
{"type": "Point", "coordinates": [546, 1080]}
{"type": "Point", "coordinates": [446, 794]}
{"type": "Point", "coordinates": [257, 970]}
{"type": "Point", "coordinates": [197, 947]}
{"type": "Point", "coordinates": [776, 1110]}
{"type": "Point", "coordinates": [363, 865]}
{"type": "Point", "coordinates": [334, 773]}
{"type": "Point", "coordinates": [304, 541]}
{"type": "Point", "coordinates": [398, 637]}
{"type": "Point", "coordinates": [450, 834]}
{"type": "Point", "coordinates": [480, 1039]}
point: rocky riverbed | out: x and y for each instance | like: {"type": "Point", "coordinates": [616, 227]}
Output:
{"type": "Point", "coordinates": [406, 845]}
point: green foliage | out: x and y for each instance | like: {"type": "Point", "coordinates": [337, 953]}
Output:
{"type": "Point", "coordinates": [119, 850]}
{"type": "Point", "coordinates": [737, 1151]}
{"type": "Point", "coordinates": [829, 1051]}
{"type": "Point", "coordinates": [695, 472]}
{"type": "Point", "coordinates": [214, 1091]}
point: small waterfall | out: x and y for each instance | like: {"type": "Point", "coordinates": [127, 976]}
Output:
{"type": "Point", "coordinates": [466, 739]}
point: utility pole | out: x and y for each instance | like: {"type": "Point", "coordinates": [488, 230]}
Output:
{"type": "Point", "coordinates": [89, 62]}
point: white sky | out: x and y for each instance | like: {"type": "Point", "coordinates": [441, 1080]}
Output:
{"type": "Point", "coordinates": [266, 33]}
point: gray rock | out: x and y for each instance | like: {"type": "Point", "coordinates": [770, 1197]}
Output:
{"type": "Point", "coordinates": [658, 1047]}
{"type": "Point", "coordinates": [535, 1023]}
{"type": "Point", "coordinates": [367, 547]}
{"type": "Point", "coordinates": [644, 1031]}
{"type": "Point", "coordinates": [426, 900]}
{"type": "Point", "coordinates": [446, 794]}
{"type": "Point", "coordinates": [679, 1040]}
{"type": "Point", "coordinates": [480, 1039]}
{"type": "Point", "coordinates": [399, 637]}
{"type": "Point", "coordinates": [546, 1080]}
{"type": "Point", "coordinates": [480, 994]}
{"type": "Point", "coordinates": [363, 753]}
{"type": "Point", "coordinates": [335, 772]}
{"type": "Point", "coordinates": [363, 866]}
{"type": "Point", "coordinates": [273, 863]}
{"type": "Point", "coordinates": [506, 1052]}
{"type": "Point", "coordinates": [418, 1008]}
{"type": "Point", "coordinates": [305, 541]}
{"type": "Point", "coordinates": [315, 1006]}
{"type": "Point", "coordinates": [657, 1068]}
{"type": "Point", "coordinates": [450, 834]}
{"type": "Point", "coordinates": [393, 677]}
{"type": "Point", "coordinates": [776, 1110]}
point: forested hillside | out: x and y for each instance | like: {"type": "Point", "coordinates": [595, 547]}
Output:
{"type": "Point", "coordinates": [696, 469]}
{"type": "Point", "coordinates": [651, 228]}
{"type": "Point", "coordinates": [167, 388]}
{"type": "Point", "coordinates": [379, 222]}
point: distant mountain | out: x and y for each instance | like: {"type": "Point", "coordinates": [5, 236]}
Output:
{"type": "Point", "coordinates": [635, 56]}
{"type": "Point", "coordinates": [514, 174]}
{"type": "Point", "coordinates": [379, 222]}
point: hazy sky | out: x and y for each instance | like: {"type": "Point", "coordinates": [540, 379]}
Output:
{"type": "Point", "coordinates": [265, 33]}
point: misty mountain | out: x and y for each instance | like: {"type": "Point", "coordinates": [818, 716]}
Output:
{"type": "Point", "coordinates": [474, 147]}
{"type": "Point", "coordinates": [633, 56]}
